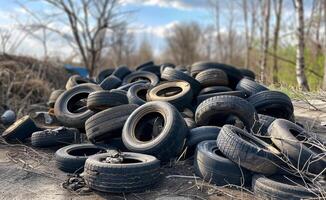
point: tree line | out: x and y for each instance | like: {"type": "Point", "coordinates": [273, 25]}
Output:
{"type": "Point", "coordinates": [282, 41]}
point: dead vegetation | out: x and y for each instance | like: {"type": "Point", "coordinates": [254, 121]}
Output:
{"type": "Point", "coordinates": [25, 81]}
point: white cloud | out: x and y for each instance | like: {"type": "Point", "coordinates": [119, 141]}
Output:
{"type": "Point", "coordinates": [158, 31]}
{"type": "Point", "coordinates": [177, 4]}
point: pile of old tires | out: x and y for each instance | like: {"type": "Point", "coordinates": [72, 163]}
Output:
{"type": "Point", "coordinates": [237, 131]}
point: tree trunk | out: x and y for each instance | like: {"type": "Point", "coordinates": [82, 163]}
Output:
{"type": "Point", "coordinates": [300, 62]}
{"type": "Point", "coordinates": [278, 12]}
{"type": "Point", "coordinates": [245, 15]}
{"type": "Point", "coordinates": [324, 22]}
{"type": "Point", "coordinates": [267, 5]}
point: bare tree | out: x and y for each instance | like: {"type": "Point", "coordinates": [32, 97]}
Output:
{"type": "Point", "coordinates": [266, 14]}
{"type": "Point", "coordinates": [145, 51]}
{"type": "Point", "coordinates": [324, 24]}
{"type": "Point", "coordinates": [122, 45]}
{"type": "Point", "coordinates": [300, 61]}
{"type": "Point", "coordinates": [215, 4]}
{"type": "Point", "coordinates": [10, 39]}
{"type": "Point", "coordinates": [89, 21]}
{"type": "Point", "coordinates": [278, 12]}
{"type": "Point", "coordinates": [246, 29]}
{"type": "Point", "coordinates": [182, 44]}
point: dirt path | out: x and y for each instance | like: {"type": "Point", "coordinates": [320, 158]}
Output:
{"type": "Point", "coordinates": [28, 173]}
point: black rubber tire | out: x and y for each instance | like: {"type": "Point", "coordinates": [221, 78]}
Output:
{"type": "Point", "coordinates": [54, 138]}
{"type": "Point", "coordinates": [20, 130]}
{"type": "Point", "coordinates": [213, 166]}
{"type": "Point", "coordinates": [250, 87]}
{"type": "Point", "coordinates": [171, 74]}
{"type": "Point", "coordinates": [212, 77]}
{"type": "Point", "coordinates": [124, 92]}
{"type": "Point", "coordinates": [68, 99]}
{"type": "Point", "coordinates": [248, 151]}
{"type": "Point", "coordinates": [137, 93]}
{"type": "Point", "coordinates": [215, 111]}
{"type": "Point", "coordinates": [190, 122]}
{"type": "Point", "coordinates": [108, 123]}
{"type": "Point", "coordinates": [168, 142]}
{"type": "Point", "coordinates": [110, 82]}
{"type": "Point", "coordinates": [121, 72]}
{"type": "Point", "coordinates": [294, 142]}
{"type": "Point", "coordinates": [127, 86]}
{"type": "Point", "coordinates": [145, 64]}
{"type": "Point", "coordinates": [203, 97]}
{"type": "Point", "coordinates": [75, 80]}
{"type": "Point", "coordinates": [247, 73]}
{"type": "Point", "coordinates": [121, 177]}
{"type": "Point", "coordinates": [101, 100]}
{"type": "Point", "coordinates": [72, 158]}
{"type": "Point", "coordinates": [214, 89]}
{"type": "Point", "coordinates": [153, 69]}
{"type": "Point", "coordinates": [181, 93]}
{"type": "Point", "coordinates": [234, 75]}
{"type": "Point", "coordinates": [53, 97]}
{"type": "Point", "coordinates": [280, 187]}
{"type": "Point", "coordinates": [261, 126]}
{"type": "Point", "coordinates": [150, 77]}
{"type": "Point", "coordinates": [199, 134]}
{"type": "Point", "coordinates": [272, 103]}
{"type": "Point", "coordinates": [103, 74]}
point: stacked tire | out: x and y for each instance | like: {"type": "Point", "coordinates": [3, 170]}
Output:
{"type": "Point", "coordinates": [236, 130]}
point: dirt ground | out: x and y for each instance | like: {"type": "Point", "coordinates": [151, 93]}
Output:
{"type": "Point", "coordinates": [30, 173]}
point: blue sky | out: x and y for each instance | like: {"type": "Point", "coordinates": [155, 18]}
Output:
{"type": "Point", "coordinates": [151, 20]}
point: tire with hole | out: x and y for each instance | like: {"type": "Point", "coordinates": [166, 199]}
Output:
{"type": "Point", "coordinates": [63, 108]}
{"type": "Point", "coordinates": [215, 110]}
{"type": "Point", "coordinates": [165, 65]}
{"type": "Point", "coordinates": [108, 123]}
{"type": "Point", "coordinates": [212, 77]}
{"type": "Point", "coordinates": [293, 141]}
{"type": "Point", "coordinates": [203, 97]}
{"type": "Point", "coordinates": [101, 100]}
{"type": "Point", "coordinates": [53, 97]}
{"type": "Point", "coordinates": [214, 89]}
{"type": "Point", "coordinates": [54, 137]}
{"type": "Point", "coordinates": [272, 103]}
{"type": "Point", "coordinates": [281, 187]}
{"type": "Point", "coordinates": [72, 158]}
{"type": "Point", "coordinates": [150, 77]}
{"type": "Point", "coordinates": [250, 87]}
{"type": "Point", "coordinates": [171, 74]}
{"type": "Point", "coordinates": [163, 144]}
{"type": "Point", "coordinates": [248, 151]}
{"type": "Point", "coordinates": [140, 172]}
{"type": "Point", "coordinates": [178, 93]}
{"type": "Point", "coordinates": [137, 93]}
{"type": "Point", "coordinates": [110, 82]}
{"type": "Point", "coordinates": [121, 72]}
{"type": "Point", "coordinates": [213, 166]}
{"type": "Point", "coordinates": [20, 130]}
{"type": "Point", "coordinates": [75, 80]}
{"type": "Point", "coordinates": [199, 134]}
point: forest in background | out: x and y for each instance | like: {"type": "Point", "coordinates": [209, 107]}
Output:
{"type": "Point", "coordinates": [282, 41]}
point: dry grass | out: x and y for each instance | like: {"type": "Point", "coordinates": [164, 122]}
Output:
{"type": "Point", "coordinates": [25, 81]}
